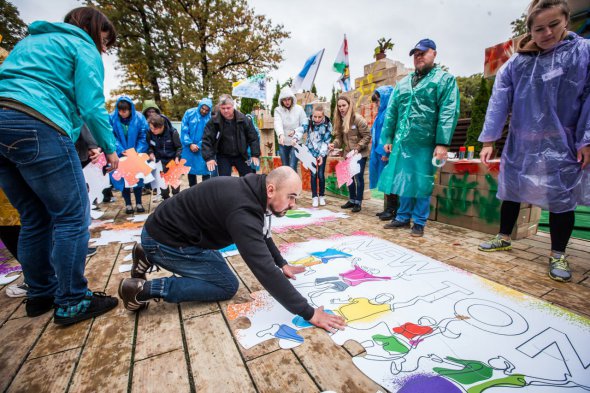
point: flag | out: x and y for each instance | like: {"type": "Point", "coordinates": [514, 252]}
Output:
{"type": "Point", "coordinates": [252, 87]}
{"type": "Point", "coordinates": [304, 80]}
{"type": "Point", "coordinates": [342, 66]}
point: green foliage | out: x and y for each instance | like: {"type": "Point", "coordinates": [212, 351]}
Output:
{"type": "Point", "coordinates": [314, 89]}
{"type": "Point", "coordinates": [247, 105]}
{"type": "Point", "coordinates": [468, 88]}
{"type": "Point", "coordinates": [478, 114]}
{"type": "Point", "coordinates": [383, 45]}
{"type": "Point", "coordinates": [519, 26]}
{"type": "Point", "coordinates": [12, 27]}
{"type": "Point", "coordinates": [189, 48]}
{"type": "Point", "coordinates": [332, 103]}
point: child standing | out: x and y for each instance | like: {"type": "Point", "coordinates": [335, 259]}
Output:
{"type": "Point", "coordinates": [164, 146]}
{"type": "Point", "coordinates": [319, 134]}
{"type": "Point", "coordinates": [130, 128]}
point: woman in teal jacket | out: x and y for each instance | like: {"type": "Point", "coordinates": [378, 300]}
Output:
{"type": "Point", "coordinates": [50, 84]}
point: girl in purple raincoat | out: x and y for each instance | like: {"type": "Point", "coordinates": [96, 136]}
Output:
{"type": "Point", "coordinates": [546, 160]}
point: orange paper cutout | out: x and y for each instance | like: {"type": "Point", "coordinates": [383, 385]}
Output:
{"type": "Point", "coordinates": [172, 177]}
{"type": "Point", "coordinates": [132, 167]}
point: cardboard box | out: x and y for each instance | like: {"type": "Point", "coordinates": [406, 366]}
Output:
{"type": "Point", "coordinates": [457, 179]}
{"type": "Point", "coordinates": [378, 66]}
{"type": "Point", "coordinates": [535, 214]}
{"type": "Point", "coordinates": [524, 230]}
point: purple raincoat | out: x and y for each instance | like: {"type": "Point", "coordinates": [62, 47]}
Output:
{"type": "Point", "coordinates": [547, 94]}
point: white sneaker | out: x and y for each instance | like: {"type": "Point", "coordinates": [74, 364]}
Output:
{"type": "Point", "coordinates": [322, 201]}
{"type": "Point", "coordinates": [19, 290]}
{"type": "Point", "coordinates": [314, 201]}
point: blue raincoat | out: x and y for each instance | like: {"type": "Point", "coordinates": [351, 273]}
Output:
{"type": "Point", "coordinates": [547, 94]}
{"type": "Point", "coordinates": [191, 131]}
{"type": "Point", "coordinates": [376, 164]}
{"type": "Point", "coordinates": [136, 135]}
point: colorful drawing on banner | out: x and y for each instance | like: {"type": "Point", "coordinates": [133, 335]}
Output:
{"type": "Point", "coordinates": [423, 323]}
{"type": "Point", "coordinates": [306, 158]}
{"type": "Point", "coordinates": [172, 176]}
{"type": "Point", "coordinates": [133, 167]}
{"type": "Point", "coordinates": [158, 182]}
{"type": "Point", "coordinates": [7, 273]}
{"type": "Point", "coordinates": [229, 251]}
{"type": "Point", "coordinates": [302, 217]}
{"type": "Point", "coordinates": [96, 179]}
{"type": "Point", "coordinates": [347, 169]}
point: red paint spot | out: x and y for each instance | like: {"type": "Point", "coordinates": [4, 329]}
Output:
{"type": "Point", "coordinates": [467, 167]}
{"type": "Point", "coordinates": [410, 330]}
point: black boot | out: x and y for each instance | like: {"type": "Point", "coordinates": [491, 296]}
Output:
{"type": "Point", "coordinates": [384, 207]}
{"type": "Point", "coordinates": [392, 204]}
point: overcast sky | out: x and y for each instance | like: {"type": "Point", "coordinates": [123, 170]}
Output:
{"type": "Point", "coordinates": [462, 29]}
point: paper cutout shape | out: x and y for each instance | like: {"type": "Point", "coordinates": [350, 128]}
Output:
{"type": "Point", "coordinates": [96, 214]}
{"type": "Point", "coordinates": [132, 167]}
{"type": "Point", "coordinates": [172, 176]}
{"type": "Point", "coordinates": [139, 217]}
{"type": "Point", "coordinates": [96, 179]}
{"type": "Point", "coordinates": [158, 182]}
{"type": "Point", "coordinates": [117, 236]}
{"type": "Point", "coordinates": [229, 251]}
{"type": "Point", "coordinates": [7, 273]}
{"type": "Point", "coordinates": [347, 169]}
{"type": "Point", "coordinates": [125, 268]}
{"type": "Point", "coordinates": [306, 158]}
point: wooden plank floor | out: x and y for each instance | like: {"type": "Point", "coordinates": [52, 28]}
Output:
{"type": "Point", "coordinates": [190, 347]}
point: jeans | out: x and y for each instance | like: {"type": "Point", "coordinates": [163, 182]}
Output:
{"type": "Point", "coordinates": [137, 190]}
{"type": "Point", "coordinates": [319, 175]}
{"type": "Point", "coordinates": [200, 274]}
{"type": "Point", "coordinates": [288, 157]}
{"type": "Point", "coordinates": [416, 208]}
{"type": "Point", "coordinates": [42, 177]}
{"type": "Point", "coordinates": [357, 188]}
{"type": "Point", "coordinates": [225, 163]}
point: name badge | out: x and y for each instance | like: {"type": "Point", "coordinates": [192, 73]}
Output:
{"type": "Point", "coordinates": [153, 143]}
{"type": "Point", "coordinates": [353, 127]}
{"type": "Point", "coordinates": [552, 74]}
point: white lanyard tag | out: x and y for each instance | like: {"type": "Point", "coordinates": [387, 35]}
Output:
{"type": "Point", "coordinates": [552, 74]}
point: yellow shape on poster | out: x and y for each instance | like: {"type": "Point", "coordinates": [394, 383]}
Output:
{"type": "Point", "coordinates": [307, 261]}
{"type": "Point", "coordinates": [362, 310]}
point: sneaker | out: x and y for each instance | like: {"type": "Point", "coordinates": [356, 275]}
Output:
{"type": "Point", "coordinates": [139, 208]}
{"type": "Point", "coordinates": [356, 208]}
{"type": "Point", "coordinates": [498, 243]}
{"type": "Point", "coordinates": [17, 290]}
{"type": "Point", "coordinates": [129, 288]}
{"type": "Point", "coordinates": [396, 224]}
{"type": "Point", "coordinates": [140, 265]}
{"type": "Point", "coordinates": [348, 205]}
{"type": "Point", "coordinates": [315, 202]}
{"type": "Point", "coordinates": [417, 230]}
{"type": "Point", "coordinates": [109, 200]}
{"type": "Point", "coordinates": [93, 305]}
{"type": "Point", "coordinates": [559, 269]}
{"type": "Point", "coordinates": [91, 251]}
{"type": "Point", "coordinates": [36, 306]}
{"type": "Point", "coordinates": [322, 201]}
{"type": "Point", "coordinates": [128, 209]}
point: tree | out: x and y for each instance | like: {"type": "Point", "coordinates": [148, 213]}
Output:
{"type": "Point", "coordinates": [478, 114]}
{"type": "Point", "coordinates": [314, 90]}
{"type": "Point", "coordinates": [468, 88]}
{"type": "Point", "coordinates": [333, 103]}
{"type": "Point", "coordinates": [519, 26]}
{"type": "Point", "coordinates": [275, 98]}
{"type": "Point", "coordinates": [247, 104]}
{"type": "Point", "coordinates": [12, 27]}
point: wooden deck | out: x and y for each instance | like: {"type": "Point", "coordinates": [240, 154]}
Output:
{"type": "Point", "coordinates": [190, 347]}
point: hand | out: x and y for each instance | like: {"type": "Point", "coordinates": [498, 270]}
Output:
{"type": "Point", "coordinates": [112, 161]}
{"type": "Point", "coordinates": [293, 142]}
{"type": "Point", "coordinates": [152, 157]}
{"type": "Point", "coordinates": [440, 152]}
{"type": "Point", "coordinates": [320, 160]}
{"type": "Point", "coordinates": [211, 164]}
{"type": "Point", "coordinates": [388, 147]}
{"type": "Point", "coordinates": [385, 158]}
{"type": "Point", "coordinates": [290, 271]}
{"type": "Point", "coordinates": [194, 148]}
{"type": "Point", "coordinates": [255, 161]}
{"type": "Point", "coordinates": [327, 321]}
{"type": "Point", "coordinates": [93, 154]}
{"type": "Point", "coordinates": [291, 133]}
{"type": "Point", "coordinates": [281, 139]}
{"type": "Point", "coordinates": [584, 156]}
{"type": "Point", "coordinates": [486, 153]}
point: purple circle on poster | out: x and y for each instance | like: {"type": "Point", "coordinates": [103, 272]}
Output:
{"type": "Point", "coordinates": [424, 383]}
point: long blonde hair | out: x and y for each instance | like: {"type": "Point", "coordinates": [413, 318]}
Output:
{"type": "Point", "coordinates": [341, 124]}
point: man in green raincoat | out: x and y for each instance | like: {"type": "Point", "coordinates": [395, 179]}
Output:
{"type": "Point", "coordinates": [420, 120]}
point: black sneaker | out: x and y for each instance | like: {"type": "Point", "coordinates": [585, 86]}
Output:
{"type": "Point", "coordinates": [129, 209]}
{"type": "Point", "coordinates": [417, 230]}
{"type": "Point", "coordinates": [36, 306]}
{"type": "Point", "coordinates": [91, 251]}
{"type": "Point", "coordinates": [100, 303]}
{"type": "Point", "coordinates": [139, 208]}
{"type": "Point", "coordinates": [356, 208]}
{"type": "Point", "coordinates": [348, 205]}
{"type": "Point", "coordinates": [396, 224]}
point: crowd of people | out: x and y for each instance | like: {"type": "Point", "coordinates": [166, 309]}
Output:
{"type": "Point", "coordinates": [544, 87]}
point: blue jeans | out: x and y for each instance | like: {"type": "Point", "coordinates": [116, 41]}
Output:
{"type": "Point", "coordinates": [42, 176]}
{"type": "Point", "coordinates": [416, 208]}
{"type": "Point", "coordinates": [137, 190]}
{"type": "Point", "coordinates": [319, 175]}
{"type": "Point", "coordinates": [288, 157]}
{"type": "Point", "coordinates": [225, 164]}
{"type": "Point", "coordinates": [357, 188]}
{"type": "Point", "coordinates": [200, 274]}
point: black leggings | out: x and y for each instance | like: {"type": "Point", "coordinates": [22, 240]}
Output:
{"type": "Point", "coordinates": [561, 225]}
{"type": "Point", "coordinates": [192, 179]}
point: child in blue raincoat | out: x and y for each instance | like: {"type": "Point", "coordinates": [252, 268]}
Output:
{"type": "Point", "coordinates": [130, 129]}
{"type": "Point", "coordinates": [191, 136]}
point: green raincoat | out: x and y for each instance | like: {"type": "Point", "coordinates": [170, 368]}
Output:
{"type": "Point", "coordinates": [420, 118]}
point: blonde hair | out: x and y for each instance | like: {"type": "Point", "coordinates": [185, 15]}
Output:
{"type": "Point", "coordinates": [340, 124]}
{"type": "Point", "coordinates": [537, 6]}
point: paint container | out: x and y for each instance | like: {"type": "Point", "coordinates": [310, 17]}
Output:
{"type": "Point", "coordinates": [462, 152]}
{"type": "Point", "coordinates": [470, 152]}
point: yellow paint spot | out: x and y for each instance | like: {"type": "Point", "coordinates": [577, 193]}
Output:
{"type": "Point", "coordinates": [362, 310]}
{"type": "Point", "coordinates": [307, 261]}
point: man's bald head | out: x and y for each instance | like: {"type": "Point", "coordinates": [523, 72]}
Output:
{"type": "Point", "coordinates": [283, 187]}
{"type": "Point", "coordinates": [281, 176]}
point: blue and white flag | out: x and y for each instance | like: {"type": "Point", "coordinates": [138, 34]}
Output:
{"type": "Point", "coordinates": [304, 80]}
{"type": "Point", "coordinates": [252, 87]}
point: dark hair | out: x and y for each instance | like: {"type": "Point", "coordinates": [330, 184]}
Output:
{"type": "Point", "coordinates": [537, 6]}
{"type": "Point", "coordinates": [93, 22]}
{"type": "Point", "coordinates": [375, 97]}
{"type": "Point", "coordinates": [124, 106]}
{"type": "Point", "coordinates": [156, 120]}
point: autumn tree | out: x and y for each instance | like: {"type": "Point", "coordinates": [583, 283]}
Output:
{"type": "Point", "coordinates": [478, 114]}
{"type": "Point", "coordinates": [519, 26]}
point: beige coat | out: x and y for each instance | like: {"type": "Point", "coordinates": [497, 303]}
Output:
{"type": "Point", "coordinates": [358, 138]}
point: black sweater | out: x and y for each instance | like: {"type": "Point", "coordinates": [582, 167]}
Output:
{"type": "Point", "coordinates": [222, 211]}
